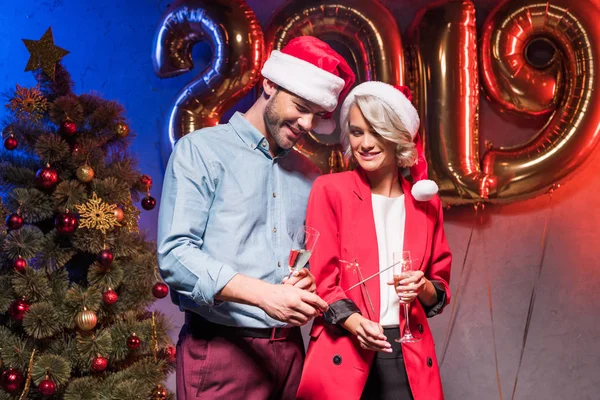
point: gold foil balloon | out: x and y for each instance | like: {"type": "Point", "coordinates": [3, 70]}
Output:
{"type": "Point", "coordinates": [566, 89]}
{"type": "Point", "coordinates": [363, 31]}
{"type": "Point", "coordinates": [444, 77]}
{"type": "Point", "coordinates": [235, 37]}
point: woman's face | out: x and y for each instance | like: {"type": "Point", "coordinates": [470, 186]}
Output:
{"type": "Point", "coordinates": [371, 151]}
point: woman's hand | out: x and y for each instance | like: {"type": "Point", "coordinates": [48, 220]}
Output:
{"type": "Point", "coordinates": [369, 334]}
{"type": "Point", "coordinates": [412, 284]}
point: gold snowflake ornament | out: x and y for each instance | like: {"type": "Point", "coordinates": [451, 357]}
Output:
{"type": "Point", "coordinates": [96, 214]}
{"type": "Point", "coordinates": [28, 103]}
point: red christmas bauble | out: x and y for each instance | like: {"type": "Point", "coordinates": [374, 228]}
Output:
{"type": "Point", "coordinates": [11, 143]}
{"type": "Point", "coordinates": [19, 265]}
{"type": "Point", "coordinates": [14, 221]}
{"type": "Point", "coordinates": [66, 223]}
{"type": "Point", "coordinates": [105, 258]}
{"type": "Point", "coordinates": [146, 181]}
{"type": "Point", "coordinates": [133, 342]}
{"type": "Point", "coordinates": [12, 380]}
{"type": "Point", "coordinates": [99, 363]}
{"type": "Point", "coordinates": [46, 177]}
{"type": "Point", "coordinates": [170, 353]}
{"type": "Point", "coordinates": [110, 296]}
{"type": "Point", "coordinates": [69, 128]}
{"type": "Point", "coordinates": [160, 290]}
{"type": "Point", "coordinates": [148, 203]}
{"type": "Point", "coordinates": [18, 308]}
{"type": "Point", "coordinates": [47, 387]}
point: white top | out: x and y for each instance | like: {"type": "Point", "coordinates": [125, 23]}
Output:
{"type": "Point", "coordinates": [390, 215]}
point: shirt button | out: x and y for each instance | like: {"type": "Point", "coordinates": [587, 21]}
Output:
{"type": "Point", "coordinates": [274, 194]}
{"type": "Point", "coordinates": [279, 263]}
{"type": "Point", "coordinates": [252, 145]}
{"type": "Point", "coordinates": [264, 144]}
{"type": "Point", "coordinates": [274, 229]}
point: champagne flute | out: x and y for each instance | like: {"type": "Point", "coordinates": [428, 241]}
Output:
{"type": "Point", "coordinates": [304, 240]}
{"type": "Point", "coordinates": [402, 265]}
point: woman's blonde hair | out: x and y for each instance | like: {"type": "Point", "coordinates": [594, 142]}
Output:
{"type": "Point", "coordinates": [386, 123]}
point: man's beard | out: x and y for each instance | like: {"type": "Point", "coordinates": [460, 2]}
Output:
{"type": "Point", "coordinates": [273, 123]}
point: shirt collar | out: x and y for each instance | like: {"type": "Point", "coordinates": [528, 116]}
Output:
{"type": "Point", "coordinates": [251, 136]}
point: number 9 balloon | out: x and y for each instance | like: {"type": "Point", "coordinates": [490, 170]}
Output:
{"type": "Point", "coordinates": [567, 90]}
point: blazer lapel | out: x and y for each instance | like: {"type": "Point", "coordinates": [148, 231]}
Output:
{"type": "Point", "coordinates": [364, 243]}
{"type": "Point", "coordinates": [416, 232]}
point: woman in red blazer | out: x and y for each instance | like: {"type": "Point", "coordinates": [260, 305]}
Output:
{"type": "Point", "coordinates": [363, 216]}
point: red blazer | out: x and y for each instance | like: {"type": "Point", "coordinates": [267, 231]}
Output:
{"type": "Point", "coordinates": [340, 208]}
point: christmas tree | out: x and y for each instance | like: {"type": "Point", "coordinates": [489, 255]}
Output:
{"type": "Point", "coordinates": [76, 275]}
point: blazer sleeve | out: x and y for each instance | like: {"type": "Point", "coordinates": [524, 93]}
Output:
{"type": "Point", "coordinates": [441, 261]}
{"type": "Point", "coordinates": [321, 214]}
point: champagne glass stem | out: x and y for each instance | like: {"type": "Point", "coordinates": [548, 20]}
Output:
{"type": "Point", "coordinates": [406, 325]}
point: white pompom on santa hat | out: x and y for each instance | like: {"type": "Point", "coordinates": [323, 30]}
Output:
{"type": "Point", "coordinates": [311, 69]}
{"type": "Point", "coordinates": [398, 98]}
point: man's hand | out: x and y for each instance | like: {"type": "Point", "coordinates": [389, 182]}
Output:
{"type": "Point", "coordinates": [302, 279]}
{"type": "Point", "coordinates": [369, 334]}
{"type": "Point", "coordinates": [292, 305]}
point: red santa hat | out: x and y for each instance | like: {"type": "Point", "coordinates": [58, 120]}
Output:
{"type": "Point", "coordinates": [311, 69]}
{"type": "Point", "coordinates": [398, 98]}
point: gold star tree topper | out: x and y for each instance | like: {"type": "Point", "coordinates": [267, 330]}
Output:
{"type": "Point", "coordinates": [96, 214]}
{"type": "Point", "coordinates": [44, 54]}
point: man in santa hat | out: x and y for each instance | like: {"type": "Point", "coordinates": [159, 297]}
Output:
{"type": "Point", "coordinates": [233, 196]}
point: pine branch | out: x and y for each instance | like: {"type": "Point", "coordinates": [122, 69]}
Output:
{"type": "Point", "coordinates": [82, 389]}
{"type": "Point", "coordinates": [7, 294]}
{"type": "Point", "coordinates": [33, 285]}
{"type": "Point", "coordinates": [12, 176]}
{"type": "Point", "coordinates": [34, 204]}
{"type": "Point", "coordinates": [51, 148]}
{"type": "Point", "coordinates": [65, 347]}
{"type": "Point", "coordinates": [15, 351]}
{"type": "Point", "coordinates": [55, 367]}
{"type": "Point", "coordinates": [55, 253]}
{"type": "Point", "coordinates": [88, 346]}
{"type": "Point", "coordinates": [60, 86]}
{"type": "Point", "coordinates": [42, 321]}
{"type": "Point", "coordinates": [66, 108]}
{"type": "Point", "coordinates": [69, 193]}
{"type": "Point", "coordinates": [25, 242]}
{"type": "Point", "coordinates": [112, 190]}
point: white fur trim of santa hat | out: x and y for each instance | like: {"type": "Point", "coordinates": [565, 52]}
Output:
{"type": "Point", "coordinates": [393, 97]}
{"type": "Point", "coordinates": [304, 79]}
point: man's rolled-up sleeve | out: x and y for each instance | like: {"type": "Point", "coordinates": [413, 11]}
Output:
{"type": "Point", "coordinates": [188, 192]}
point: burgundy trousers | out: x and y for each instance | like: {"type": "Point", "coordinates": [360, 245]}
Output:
{"type": "Point", "coordinates": [213, 366]}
